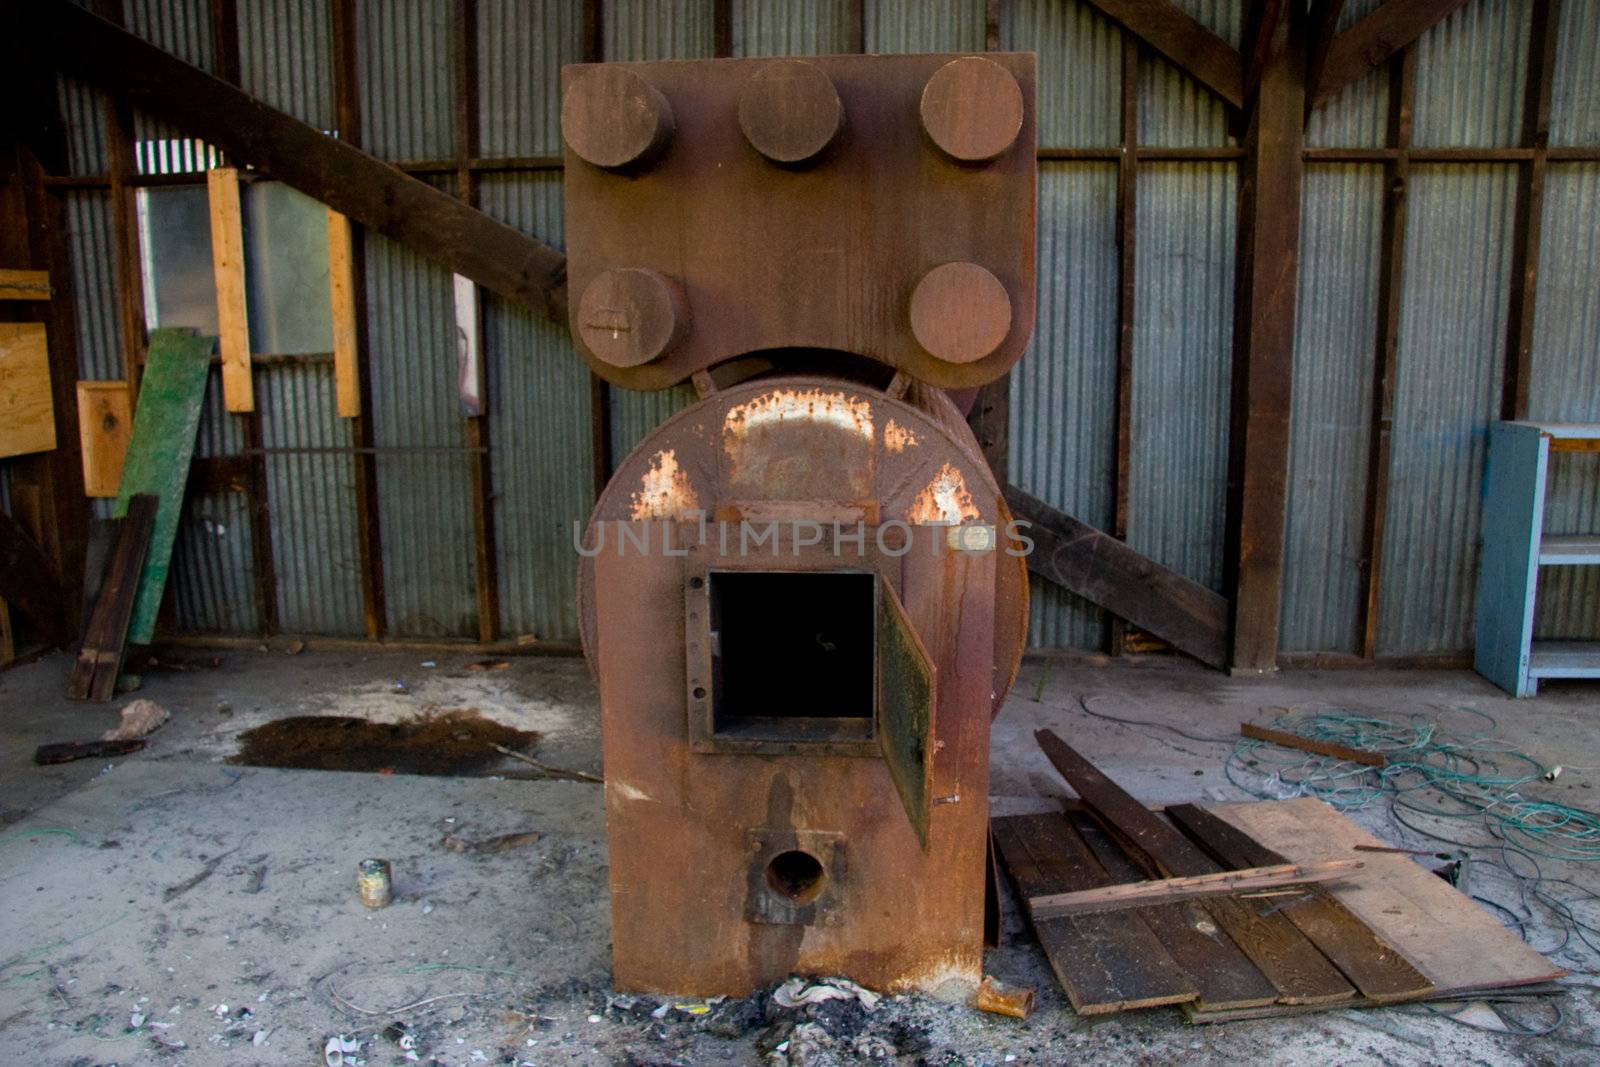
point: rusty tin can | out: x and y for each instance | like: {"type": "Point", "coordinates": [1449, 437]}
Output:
{"type": "Point", "coordinates": [374, 884]}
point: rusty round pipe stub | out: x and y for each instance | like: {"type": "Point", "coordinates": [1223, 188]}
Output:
{"type": "Point", "coordinates": [972, 109]}
{"type": "Point", "coordinates": [613, 118]}
{"type": "Point", "coordinates": [630, 316]}
{"type": "Point", "coordinates": [790, 111]}
{"type": "Point", "coordinates": [960, 312]}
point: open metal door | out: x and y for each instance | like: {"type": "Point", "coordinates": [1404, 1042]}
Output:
{"type": "Point", "coordinates": [905, 709]}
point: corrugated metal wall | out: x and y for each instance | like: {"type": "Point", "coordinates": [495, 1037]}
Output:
{"type": "Point", "coordinates": [1470, 74]}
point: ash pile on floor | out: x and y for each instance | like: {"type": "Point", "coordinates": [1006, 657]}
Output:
{"type": "Point", "coordinates": [453, 742]}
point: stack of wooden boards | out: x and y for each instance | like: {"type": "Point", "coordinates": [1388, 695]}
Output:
{"type": "Point", "coordinates": [1387, 932]}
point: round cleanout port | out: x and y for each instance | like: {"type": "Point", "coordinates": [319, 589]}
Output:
{"type": "Point", "coordinates": [797, 875]}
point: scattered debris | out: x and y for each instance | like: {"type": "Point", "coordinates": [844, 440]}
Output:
{"type": "Point", "coordinates": [174, 892]}
{"type": "Point", "coordinates": [67, 751]}
{"type": "Point", "coordinates": [554, 772]}
{"type": "Point", "coordinates": [339, 1047]}
{"type": "Point", "coordinates": [1001, 999]}
{"type": "Point", "coordinates": [798, 991]}
{"type": "Point", "coordinates": [451, 742]}
{"type": "Point", "coordinates": [139, 719]}
{"type": "Point", "coordinates": [1284, 739]}
{"type": "Point", "coordinates": [502, 843]}
{"type": "Point", "coordinates": [374, 883]}
{"type": "Point", "coordinates": [489, 665]}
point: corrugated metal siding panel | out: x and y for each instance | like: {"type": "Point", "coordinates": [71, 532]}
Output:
{"type": "Point", "coordinates": [925, 26]}
{"type": "Point", "coordinates": [311, 502]}
{"type": "Point", "coordinates": [1447, 392]}
{"type": "Point", "coordinates": [1080, 69]}
{"type": "Point", "coordinates": [1335, 332]}
{"type": "Point", "coordinates": [1575, 104]}
{"type": "Point", "coordinates": [1182, 359]}
{"type": "Point", "coordinates": [657, 29]}
{"type": "Point", "coordinates": [1064, 391]}
{"type": "Point", "coordinates": [182, 27]}
{"type": "Point", "coordinates": [1225, 18]}
{"type": "Point", "coordinates": [1471, 72]}
{"type": "Point", "coordinates": [286, 57]}
{"type": "Point", "coordinates": [83, 115]}
{"type": "Point", "coordinates": [213, 568]}
{"type": "Point", "coordinates": [640, 30]}
{"type": "Point", "coordinates": [407, 108]}
{"type": "Point", "coordinates": [1565, 386]}
{"type": "Point", "coordinates": [521, 48]}
{"type": "Point", "coordinates": [539, 418]}
{"type": "Point", "coordinates": [1175, 112]}
{"type": "Point", "coordinates": [791, 27]}
{"type": "Point", "coordinates": [424, 499]}
{"type": "Point", "coordinates": [92, 249]}
{"type": "Point", "coordinates": [1358, 116]}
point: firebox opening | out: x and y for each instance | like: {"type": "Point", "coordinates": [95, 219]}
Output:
{"type": "Point", "coordinates": [793, 653]}
{"type": "Point", "coordinates": [796, 875]}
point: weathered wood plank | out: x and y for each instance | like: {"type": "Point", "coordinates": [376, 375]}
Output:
{"type": "Point", "coordinates": [1185, 41]}
{"type": "Point", "coordinates": [1308, 744]}
{"type": "Point", "coordinates": [1300, 973]}
{"type": "Point", "coordinates": [233, 312]}
{"type": "Point", "coordinates": [1375, 967]}
{"type": "Point", "coordinates": [1224, 977]}
{"type": "Point", "coordinates": [1099, 568]}
{"type": "Point", "coordinates": [27, 411]}
{"type": "Point", "coordinates": [25, 285]}
{"type": "Point", "coordinates": [368, 190]}
{"type": "Point", "coordinates": [342, 297]}
{"type": "Point", "coordinates": [105, 422]}
{"type": "Point", "coordinates": [1106, 963]}
{"type": "Point", "coordinates": [94, 672]}
{"type": "Point", "coordinates": [1242, 879]}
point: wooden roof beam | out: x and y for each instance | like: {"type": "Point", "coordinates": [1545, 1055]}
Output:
{"type": "Point", "coordinates": [1322, 24]}
{"type": "Point", "coordinates": [1198, 52]}
{"type": "Point", "coordinates": [1370, 43]}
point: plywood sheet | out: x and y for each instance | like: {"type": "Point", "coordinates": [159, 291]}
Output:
{"type": "Point", "coordinates": [27, 414]}
{"type": "Point", "coordinates": [1450, 939]}
{"type": "Point", "coordinates": [25, 285]}
{"type": "Point", "coordinates": [105, 423]}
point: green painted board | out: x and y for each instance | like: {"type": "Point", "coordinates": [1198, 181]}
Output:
{"type": "Point", "coordinates": [171, 394]}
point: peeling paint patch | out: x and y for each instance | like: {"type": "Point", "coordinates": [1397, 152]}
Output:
{"type": "Point", "coordinates": [664, 491]}
{"type": "Point", "coordinates": [897, 438]}
{"type": "Point", "coordinates": [945, 501]}
{"type": "Point", "coordinates": [799, 405]}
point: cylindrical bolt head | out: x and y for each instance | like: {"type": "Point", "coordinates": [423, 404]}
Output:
{"type": "Point", "coordinates": [960, 312]}
{"type": "Point", "coordinates": [972, 109]}
{"type": "Point", "coordinates": [630, 316]}
{"type": "Point", "coordinates": [613, 118]}
{"type": "Point", "coordinates": [790, 111]}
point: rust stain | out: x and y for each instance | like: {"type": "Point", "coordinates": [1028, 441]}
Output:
{"type": "Point", "coordinates": [897, 438]}
{"type": "Point", "coordinates": [664, 491]}
{"type": "Point", "coordinates": [945, 501]}
{"type": "Point", "coordinates": [799, 405]}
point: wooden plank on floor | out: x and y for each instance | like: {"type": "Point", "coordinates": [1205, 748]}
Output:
{"type": "Point", "coordinates": [1452, 941]}
{"type": "Point", "coordinates": [1222, 975]}
{"type": "Point", "coordinates": [233, 313]}
{"type": "Point", "coordinates": [1375, 967]}
{"type": "Point", "coordinates": [170, 398]}
{"type": "Point", "coordinates": [105, 423]}
{"type": "Point", "coordinates": [27, 412]}
{"type": "Point", "coordinates": [1300, 973]}
{"type": "Point", "coordinates": [1106, 963]}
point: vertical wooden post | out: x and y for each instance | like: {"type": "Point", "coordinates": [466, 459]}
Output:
{"type": "Point", "coordinates": [369, 538]}
{"type": "Point", "coordinates": [1127, 245]}
{"type": "Point", "coordinates": [233, 314]}
{"type": "Point", "coordinates": [342, 308]}
{"type": "Point", "coordinates": [121, 167]}
{"type": "Point", "coordinates": [990, 417]}
{"type": "Point", "coordinates": [1263, 365]}
{"type": "Point", "coordinates": [1391, 276]}
{"type": "Point", "coordinates": [1526, 235]}
{"type": "Point", "coordinates": [594, 47]}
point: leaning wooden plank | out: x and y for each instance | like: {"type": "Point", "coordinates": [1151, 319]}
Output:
{"type": "Point", "coordinates": [1300, 973]}
{"type": "Point", "coordinates": [25, 285]}
{"type": "Point", "coordinates": [227, 267]}
{"type": "Point", "coordinates": [1166, 890]}
{"type": "Point", "coordinates": [1106, 963]}
{"type": "Point", "coordinates": [1376, 968]}
{"type": "Point", "coordinates": [27, 411]}
{"type": "Point", "coordinates": [1100, 568]}
{"type": "Point", "coordinates": [28, 581]}
{"type": "Point", "coordinates": [1224, 977]}
{"type": "Point", "coordinates": [1451, 940]}
{"type": "Point", "coordinates": [101, 652]}
{"type": "Point", "coordinates": [1308, 744]}
{"type": "Point", "coordinates": [373, 193]}
{"type": "Point", "coordinates": [170, 397]}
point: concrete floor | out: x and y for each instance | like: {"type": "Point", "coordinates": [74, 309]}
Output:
{"type": "Point", "coordinates": [213, 904]}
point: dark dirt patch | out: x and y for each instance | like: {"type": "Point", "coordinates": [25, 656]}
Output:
{"type": "Point", "coordinates": [448, 743]}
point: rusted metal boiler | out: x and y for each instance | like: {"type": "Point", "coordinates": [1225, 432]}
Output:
{"type": "Point", "coordinates": [803, 596]}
